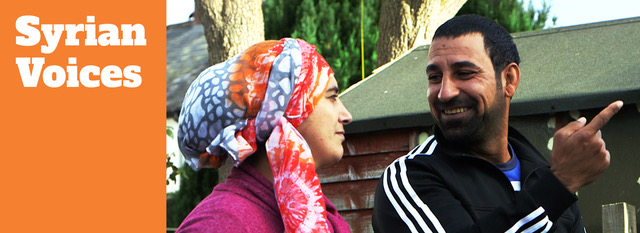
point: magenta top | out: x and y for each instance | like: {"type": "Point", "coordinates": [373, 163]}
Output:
{"type": "Point", "coordinates": [246, 202]}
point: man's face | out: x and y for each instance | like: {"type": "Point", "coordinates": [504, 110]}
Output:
{"type": "Point", "coordinates": [463, 92]}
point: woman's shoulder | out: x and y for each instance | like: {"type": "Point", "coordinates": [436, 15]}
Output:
{"type": "Point", "coordinates": [234, 202]}
{"type": "Point", "coordinates": [229, 221]}
{"type": "Point", "coordinates": [225, 211]}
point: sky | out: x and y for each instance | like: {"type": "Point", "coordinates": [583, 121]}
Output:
{"type": "Point", "coordinates": [575, 12]}
{"type": "Point", "coordinates": [178, 11]}
{"type": "Point", "coordinates": [569, 12]}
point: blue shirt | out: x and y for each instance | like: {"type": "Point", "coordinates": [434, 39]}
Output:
{"type": "Point", "coordinates": [511, 169]}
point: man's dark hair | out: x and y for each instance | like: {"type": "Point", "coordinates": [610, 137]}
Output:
{"type": "Point", "coordinates": [497, 40]}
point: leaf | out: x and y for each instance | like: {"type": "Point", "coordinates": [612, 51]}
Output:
{"type": "Point", "coordinates": [170, 131]}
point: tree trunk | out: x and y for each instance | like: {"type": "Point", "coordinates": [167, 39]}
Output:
{"type": "Point", "coordinates": [405, 24]}
{"type": "Point", "coordinates": [230, 26]}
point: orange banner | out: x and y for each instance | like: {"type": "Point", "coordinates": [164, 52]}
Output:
{"type": "Point", "coordinates": [83, 111]}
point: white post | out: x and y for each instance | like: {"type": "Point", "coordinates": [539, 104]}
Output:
{"type": "Point", "coordinates": [619, 218]}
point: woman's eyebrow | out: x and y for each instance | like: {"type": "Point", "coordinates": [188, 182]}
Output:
{"type": "Point", "coordinates": [332, 89]}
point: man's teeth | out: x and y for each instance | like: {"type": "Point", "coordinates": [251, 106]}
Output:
{"type": "Point", "coordinates": [454, 111]}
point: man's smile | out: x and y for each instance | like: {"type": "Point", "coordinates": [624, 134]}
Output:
{"type": "Point", "coordinates": [453, 111]}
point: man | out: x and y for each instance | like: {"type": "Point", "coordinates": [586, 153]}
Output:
{"type": "Point", "coordinates": [476, 174]}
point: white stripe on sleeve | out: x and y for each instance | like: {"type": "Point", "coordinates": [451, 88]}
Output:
{"type": "Point", "coordinates": [416, 199]}
{"type": "Point", "coordinates": [393, 201]}
{"type": "Point", "coordinates": [394, 182]}
{"type": "Point", "coordinates": [539, 211]}
{"type": "Point", "coordinates": [420, 148]}
{"type": "Point", "coordinates": [432, 147]}
{"type": "Point", "coordinates": [544, 222]}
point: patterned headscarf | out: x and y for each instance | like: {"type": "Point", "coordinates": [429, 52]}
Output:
{"type": "Point", "coordinates": [261, 96]}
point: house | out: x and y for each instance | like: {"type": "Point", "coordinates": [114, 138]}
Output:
{"type": "Point", "coordinates": [186, 57]}
{"type": "Point", "coordinates": [566, 73]}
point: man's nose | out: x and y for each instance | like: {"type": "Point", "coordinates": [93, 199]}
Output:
{"type": "Point", "coordinates": [448, 89]}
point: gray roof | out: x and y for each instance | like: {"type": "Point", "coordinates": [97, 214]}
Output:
{"type": "Point", "coordinates": [570, 68]}
{"type": "Point", "coordinates": [187, 56]}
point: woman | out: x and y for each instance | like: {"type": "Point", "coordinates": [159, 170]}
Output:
{"type": "Point", "coordinates": [273, 109]}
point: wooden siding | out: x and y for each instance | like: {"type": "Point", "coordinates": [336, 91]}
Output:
{"type": "Point", "coordinates": [351, 184]}
{"type": "Point", "coordinates": [359, 220]}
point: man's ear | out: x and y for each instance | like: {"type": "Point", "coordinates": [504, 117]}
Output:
{"type": "Point", "coordinates": [511, 74]}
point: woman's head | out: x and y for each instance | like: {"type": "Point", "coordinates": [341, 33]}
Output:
{"type": "Point", "coordinates": [274, 93]}
{"type": "Point", "coordinates": [249, 92]}
{"type": "Point", "coordinates": [323, 129]}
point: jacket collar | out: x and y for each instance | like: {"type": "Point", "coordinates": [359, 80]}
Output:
{"type": "Point", "coordinates": [522, 147]}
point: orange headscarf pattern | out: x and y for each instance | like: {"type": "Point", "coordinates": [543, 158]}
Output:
{"type": "Point", "coordinates": [261, 96]}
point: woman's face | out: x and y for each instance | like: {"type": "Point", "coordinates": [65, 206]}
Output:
{"type": "Point", "coordinates": [323, 129]}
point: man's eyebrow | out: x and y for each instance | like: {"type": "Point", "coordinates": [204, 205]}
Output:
{"type": "Point", "coordinates": [432, 67]}
{"type": "Point", "coordinates": [455, 65]}
{"type": "Point", "coordinates": [464, 64]}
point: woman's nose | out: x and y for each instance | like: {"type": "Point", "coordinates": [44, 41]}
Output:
{"type": "Point", "coordinates": [345, 116]}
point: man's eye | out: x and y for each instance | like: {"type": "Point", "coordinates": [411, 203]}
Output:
{"type": "Point", "coordinates": [466, 74]}
{"type": "Point", "coordinates": [435, 78]}
{"type": "Point", "coordinates": [333, 97]}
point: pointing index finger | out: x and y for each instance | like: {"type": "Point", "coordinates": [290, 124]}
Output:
{"type": "Point", "coordinates": [604, 116]}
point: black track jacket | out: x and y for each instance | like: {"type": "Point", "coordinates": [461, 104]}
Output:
{"type": "Point", "coordinates": [438, 187]}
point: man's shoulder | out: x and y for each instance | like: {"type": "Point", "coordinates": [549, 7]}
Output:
{"type": "Point", "coordinates": [421, 155]}
{"type": "Point", "coordinates": [425, 149]}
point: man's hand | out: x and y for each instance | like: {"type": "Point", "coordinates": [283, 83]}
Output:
{"type": "Point", "coordinates": [579, 154]}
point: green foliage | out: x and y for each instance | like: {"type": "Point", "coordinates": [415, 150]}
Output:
{"type": "Point", "coordinates": [307, 26]}
{"type": "Point", "coordinates": [511, 14]}
{"type": "Point", "coordinates": [333, 26]}
{"type": "Point", "coordinates": [175, 171]}
{"type": "Point", "coordinates": [279, 17]}
{"type": "Point", "coordinates": [194, 186]}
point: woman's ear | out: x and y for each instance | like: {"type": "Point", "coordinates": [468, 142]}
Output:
{"type": "Point", "coordinates": [511, 74]}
